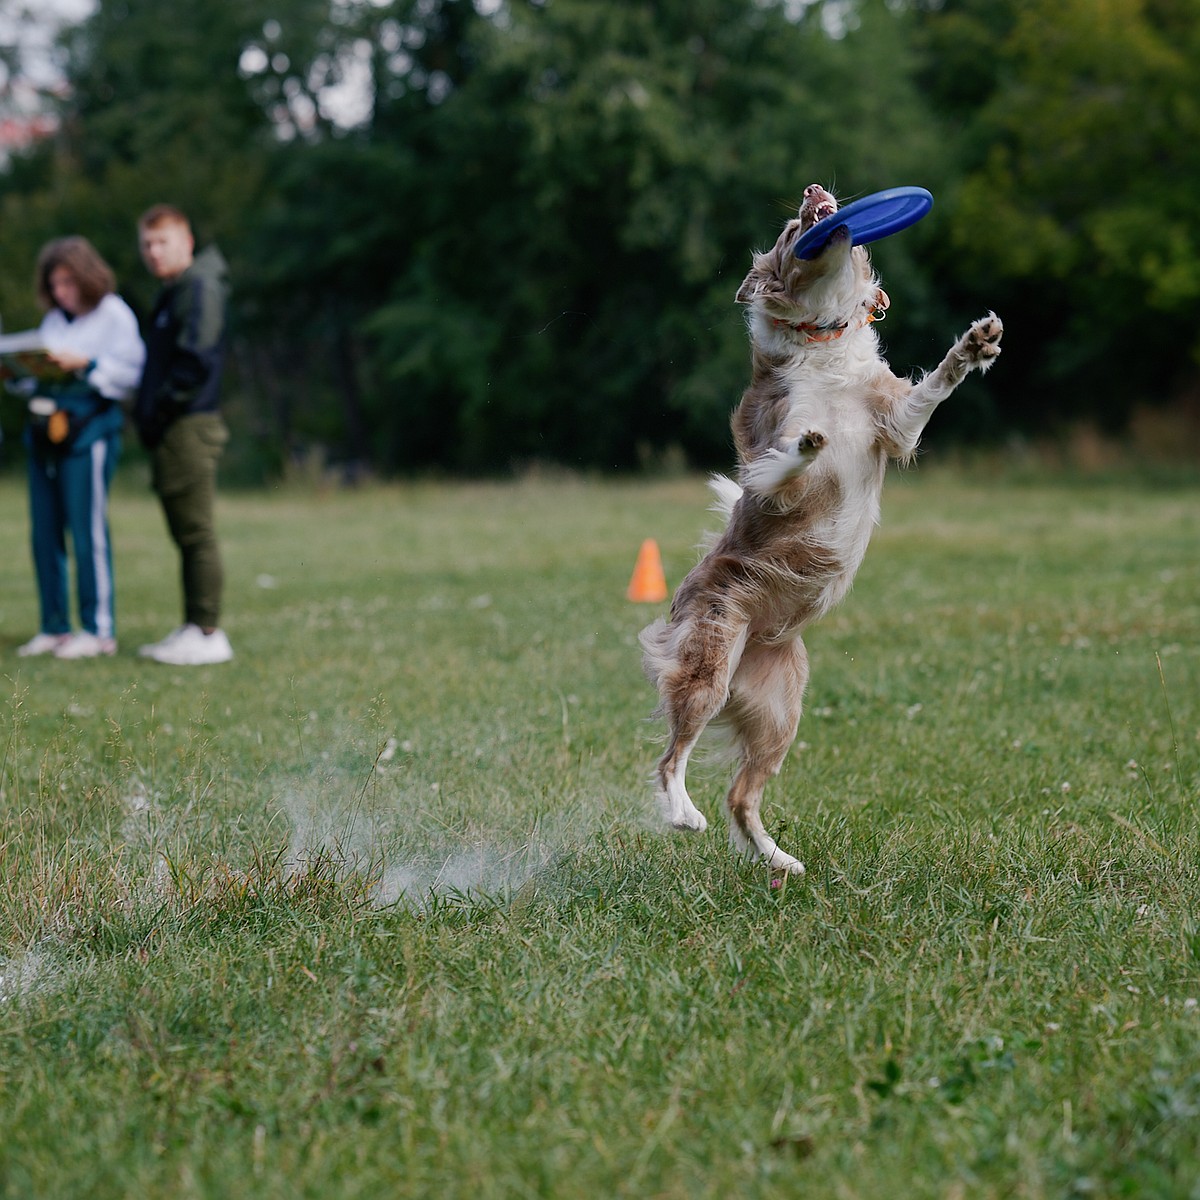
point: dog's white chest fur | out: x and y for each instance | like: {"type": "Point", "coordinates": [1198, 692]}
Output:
{"type": "Point", "coordinates": [832, 405]}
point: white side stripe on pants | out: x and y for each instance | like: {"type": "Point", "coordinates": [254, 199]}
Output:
{"type": "Point", "coordinates": [100, 556]}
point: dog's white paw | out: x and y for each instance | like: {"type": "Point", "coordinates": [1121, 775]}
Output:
{"type": "Point", "coordinates": [981, 343]}
{"type": "Point", "coordinates": [679, 812]}
{"type": "Point", "coordinates": [694, 821]}
{"type": "Point", "coordinates": [764, 850]}
{"type": "Point", "coordinates": [784, 863]}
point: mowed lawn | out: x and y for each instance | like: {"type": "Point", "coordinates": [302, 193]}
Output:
{"type": "Point", "coordinates": [381, 909]}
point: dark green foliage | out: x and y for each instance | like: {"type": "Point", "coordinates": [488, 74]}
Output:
{"type": "Point", "coordinates": [589, 203]}
{"type": "Point", "coordinates": [526, 244]}
{"type": "Point", "coordinates": [1077, 210]}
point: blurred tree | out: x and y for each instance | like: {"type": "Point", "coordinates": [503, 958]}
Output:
{"type": "Point", "coordinates": [1077, 213]}
{"type": "Point", "coordinates": [470, 233]}
{"type": "Point", "coordinates": [341, 222]}
{"type": "Point", "coordinates": [591, 190]}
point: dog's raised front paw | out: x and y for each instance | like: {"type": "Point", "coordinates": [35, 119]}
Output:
{"type": "Point", "coordinates": [981, 343]}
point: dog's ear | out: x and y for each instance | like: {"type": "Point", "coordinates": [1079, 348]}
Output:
{"type": "Point", "coordinates": [758, 281]}
{"type": "Point", "coordinates": [771, 269]}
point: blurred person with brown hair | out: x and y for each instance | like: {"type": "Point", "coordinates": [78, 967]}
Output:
{"type": "Point", "coordinates": [94, 358]}
{"type": "Point", "coordinates": [178, 418]}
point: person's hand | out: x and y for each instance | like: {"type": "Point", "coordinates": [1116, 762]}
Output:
{"type": "Point", "coordinates": [69, 360]}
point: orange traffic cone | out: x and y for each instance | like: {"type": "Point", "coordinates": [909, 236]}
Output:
{"type": "Point", "coordinates": [648, 585]}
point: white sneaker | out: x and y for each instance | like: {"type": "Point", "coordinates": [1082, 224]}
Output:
{"type": "Point", "coordinates": [43, 643]}
{"type": "Point", "coordinates": [150, 650]}
{"type": "Point", "coordinates": [86, 645]}
{"type": "Point", "coordinates": [192, 647]}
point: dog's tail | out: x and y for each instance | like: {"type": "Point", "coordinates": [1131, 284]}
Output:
{"type": "Point", "coordinates": [658, 649]}
{"type": "Point", "coordinates": [727, 493]}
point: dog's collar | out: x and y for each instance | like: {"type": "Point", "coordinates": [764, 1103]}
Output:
{"type": "Point", "coordinates": [876, 310]}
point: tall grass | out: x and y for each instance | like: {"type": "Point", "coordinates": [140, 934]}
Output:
{"type": "Point", "coordinates": [380, 908]}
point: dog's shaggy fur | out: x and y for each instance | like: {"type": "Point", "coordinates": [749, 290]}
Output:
{"type": "Point", "coordinates": [814, 432]}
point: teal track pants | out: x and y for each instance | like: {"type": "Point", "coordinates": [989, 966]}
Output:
{"type": "Point", "coordinates": [68, 496]}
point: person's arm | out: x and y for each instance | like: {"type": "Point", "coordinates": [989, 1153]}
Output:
{"type": "Point", "coordinates": [105, 346]}
{"type": "Point", "coordinates": [117, 365]}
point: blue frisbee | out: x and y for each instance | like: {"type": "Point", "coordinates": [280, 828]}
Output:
{"type": "Point", "coordinates": [876, 216]}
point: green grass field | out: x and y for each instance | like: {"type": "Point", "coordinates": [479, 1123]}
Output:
{"type": "Point", "coordinates": [380, 908]}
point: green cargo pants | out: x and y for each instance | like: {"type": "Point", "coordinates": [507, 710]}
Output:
{"type": "Point", "coordinates": [184, 474]}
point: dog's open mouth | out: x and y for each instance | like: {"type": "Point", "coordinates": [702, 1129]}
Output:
{"type": "Point", "coordinates": [818, 204]}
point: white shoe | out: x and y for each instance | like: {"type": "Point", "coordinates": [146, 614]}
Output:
{"type": "Point", "coordinates": [86, 645]}
{"type": "Point", "coordinates": [192, 647]}
{"type": "Point", "coordinates": [150, 650]}
{"type": "Point", "coordinates": [43, 643]}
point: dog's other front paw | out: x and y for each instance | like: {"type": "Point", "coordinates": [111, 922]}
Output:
{"type": "Point", "coordinates": [981, 343]}
{"type": "Point", "coordinates": [774, 469]}
{"type": "Point", "coordinates": [809, 444]}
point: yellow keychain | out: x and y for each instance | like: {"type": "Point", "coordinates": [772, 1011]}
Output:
{"type": "Point", "coordinates": [58, 426]}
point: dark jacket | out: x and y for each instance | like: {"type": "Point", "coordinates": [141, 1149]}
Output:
{"type": "Point", "coordinates": [185, 348]}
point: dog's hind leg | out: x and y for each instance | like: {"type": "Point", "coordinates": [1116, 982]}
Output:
{"type": "Point", "coordinates": [694, 689]}
{"type": "Point", "coordinates": [767, 693]}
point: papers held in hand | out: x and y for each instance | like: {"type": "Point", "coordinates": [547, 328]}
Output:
{"type": "Point", "coordinates": [25, 355]}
